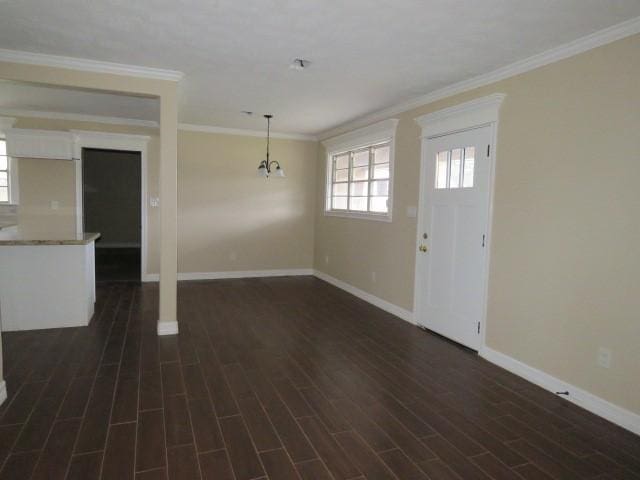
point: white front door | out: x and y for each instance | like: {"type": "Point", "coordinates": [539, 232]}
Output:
{"type": "Point", "coordinates": [453, 235]}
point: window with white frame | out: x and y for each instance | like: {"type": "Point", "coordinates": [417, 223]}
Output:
{"type": "Point", "coordinates": [359, 178]}
{"type": "Point", "coordinates": [5, 174]}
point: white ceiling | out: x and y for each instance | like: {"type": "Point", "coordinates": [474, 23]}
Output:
{"type": "Point", "coordinates": [366, 54]}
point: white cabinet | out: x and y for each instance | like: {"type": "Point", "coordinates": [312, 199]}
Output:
{"type": "Point", "coordinates": [27, 143]}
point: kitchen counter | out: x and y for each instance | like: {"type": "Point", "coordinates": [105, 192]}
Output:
{"type": "Point", "coordinates": [46, 282]}
{"type": "Point", "coordinates": [17, 239]}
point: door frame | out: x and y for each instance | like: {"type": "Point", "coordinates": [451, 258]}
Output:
{"type": "Point", "coordinates": [120, 142]}
{"type": "Point", "coordinates": [476, 113]}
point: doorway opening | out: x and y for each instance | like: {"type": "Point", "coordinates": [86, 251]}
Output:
{"type": "Point", "coordinates": [111, 192]}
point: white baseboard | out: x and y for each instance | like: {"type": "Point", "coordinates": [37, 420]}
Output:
{"type": "Point", "coordinates": [367, 297]}
{"type": "Point", "coordinates": [167, 328]}
{"type": "Point", "coordinates": [154, 277]}
{"type": "Point", "coordinates": [588, 401]}
{"type": "Point", "coordinates": [3, 391]}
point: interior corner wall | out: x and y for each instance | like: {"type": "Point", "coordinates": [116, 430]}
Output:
{"type": "Point", "coordinates": [232, 220]}
{"type": "Point", "coordinates": [229, 219]}
{"type": "Point", "coordinates": [564, 269]}
{"type": "Point", "coordinates": [41, 181]}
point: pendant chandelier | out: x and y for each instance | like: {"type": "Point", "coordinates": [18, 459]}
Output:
{"type": "Point", "coordinates": [265, 169]}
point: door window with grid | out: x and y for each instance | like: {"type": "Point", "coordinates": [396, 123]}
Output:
{"type": "Point", "coordinates": [359, 181]}
{"type": "Point", "coordinates": [4, 173]}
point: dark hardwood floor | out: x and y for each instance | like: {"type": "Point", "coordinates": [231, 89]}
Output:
{"type": "Point", "coordinates": [281, 378]}
{"type": "Point", "coordinates": [117, 264]}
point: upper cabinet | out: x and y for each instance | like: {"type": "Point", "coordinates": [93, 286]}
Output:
{"type": "Point", "coordinates": [39, 144]}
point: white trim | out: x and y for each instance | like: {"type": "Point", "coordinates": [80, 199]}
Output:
{"type": "Point", "coordinates": [588, 401]}
{"type": "Point", "coordinates": [384, 131]}
{"type": "Point", "coordinates": [34, 143]}
{"type": "Point", "coordinates": [3, 391]}
{"type": "Point", "coordinates": [122, 142]}
{"type": "Point", "coordinates": [57, 61]}
{"type": "Point", "coordinates": [6, 123]}
{"type": "Point", "coordinates": [393, 309]}
{"type": "Point", "coordinates": [184, 276]}
{"type": "Point", "coordinates": [189, 127]}
{"type": "Point", "coordinates": [167, 328]}
{"type": "Point", "coordinates": [475, 113]}
{"type": "Point", "coordinates": [135, 122]}
{"type": "Point", "coordinates": [478, 112]}
{"type": "Point", "coordinates": [378, 217]}
{"type": "Point", "coordinates": [378, 132]}
{"type": "Point", "coordinates": [79, 117]}
{"type": "Point", "coordinates": [576, 47]}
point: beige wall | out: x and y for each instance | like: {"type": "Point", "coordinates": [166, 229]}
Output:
{"type": "Point", "coordinates": [223, 207]}
{"type": "Point", "coordinates": [231, 219]}
{"type": "Point", "coordinates": [41, 182]}
{"type": "Point", "coordinates": [564, 263]}
{"type": "Point", "coordinates": [35, 178]}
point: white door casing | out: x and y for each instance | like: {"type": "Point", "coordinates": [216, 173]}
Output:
{"type": "Point", "coordinates": [113, 141]}
{"type": "Point", "coordinates": [451, 277]}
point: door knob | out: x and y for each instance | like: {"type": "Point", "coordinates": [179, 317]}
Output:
{"type": "Point", "coordinates": [422, 248]}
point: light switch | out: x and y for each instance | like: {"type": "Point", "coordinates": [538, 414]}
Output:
{"type": "Point", "coordinates": [55, 205]}
{"type": "Point", "coordinates": [412, 212]}
{"type": "Point", "coordinates": [154, 201]}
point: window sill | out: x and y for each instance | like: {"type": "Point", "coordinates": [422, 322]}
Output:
{"type": "Point", "coordinates": [383, 217]}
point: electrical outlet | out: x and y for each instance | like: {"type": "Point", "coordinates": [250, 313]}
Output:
{"type": "Point", "coordinates": [326, 259]}
{"type": "Point", "coordinates": [55, 205]}
{"type": "Point", "coordinates": [154, 201]}
{"type": "Point", "coordinates": [233, 256]}
{"type": "Point", "coordinates": [373, 277]}
{"type": "Point", "coordinates": [603, 357]}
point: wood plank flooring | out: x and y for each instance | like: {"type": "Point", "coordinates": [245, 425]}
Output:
{"type": "Point", "coordinates": [281, 378]}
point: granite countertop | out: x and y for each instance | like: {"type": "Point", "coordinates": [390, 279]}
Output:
{"type": "Point", "coordinates": [85, 239]}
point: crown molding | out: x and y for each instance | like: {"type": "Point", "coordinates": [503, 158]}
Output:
{"type": "Point", "coordinates": [189, 127]}
{"type": "Point", "coordinates": [378, 132]}
{"type": "Point", "coordinates": [479, 111]}
{"type": "Point", "coordinates": [134, 122]}
{"type": "Point", "coordinates": [78, 117]}
{"type": "Point", "coordinates": [576, 47]}
{"type": "Point", "coordinates": [86, 65]}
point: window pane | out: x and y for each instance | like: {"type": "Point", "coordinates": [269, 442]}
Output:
{"type": "Point", "coordinates": [3, 147]}
{"type": "Point", "coordinates": [361, 173]}
{"type": "Point", "coordinates": [469, 165]}
{"type": "Point", "coordinates": [341, 189]}
{"type": "Point", "coordinates": [380, 188]}
{"type": "Point", "coordinates": [381, 171]}
{"type": "Point", "coordinates": [381, 154]}
{"type": "Point", "coordinates": [361, 158]}
{"type": "Point", "coordinates": [4, 194]}
{"type": "Point", "coordinates": [379, 204]}
{"type": "Point", "coordinates": [456, 165]}
{"type": "Point", "coordinates": [442, 162]}
{"type": "Point", "coordinates": [3, 163]}
{"type": "Point", "coordinates": [342, 175]}
{"type": "Point", "coordinates": [359, 189]}
{"type": "Point", "coordinates": [3, 179]}
{"type": "Point", "coordinates": [358, 204]}
{"type": "Point", "coordinates": [342, 161]}
{"type": "Point", "coordinates": [339, 203]}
